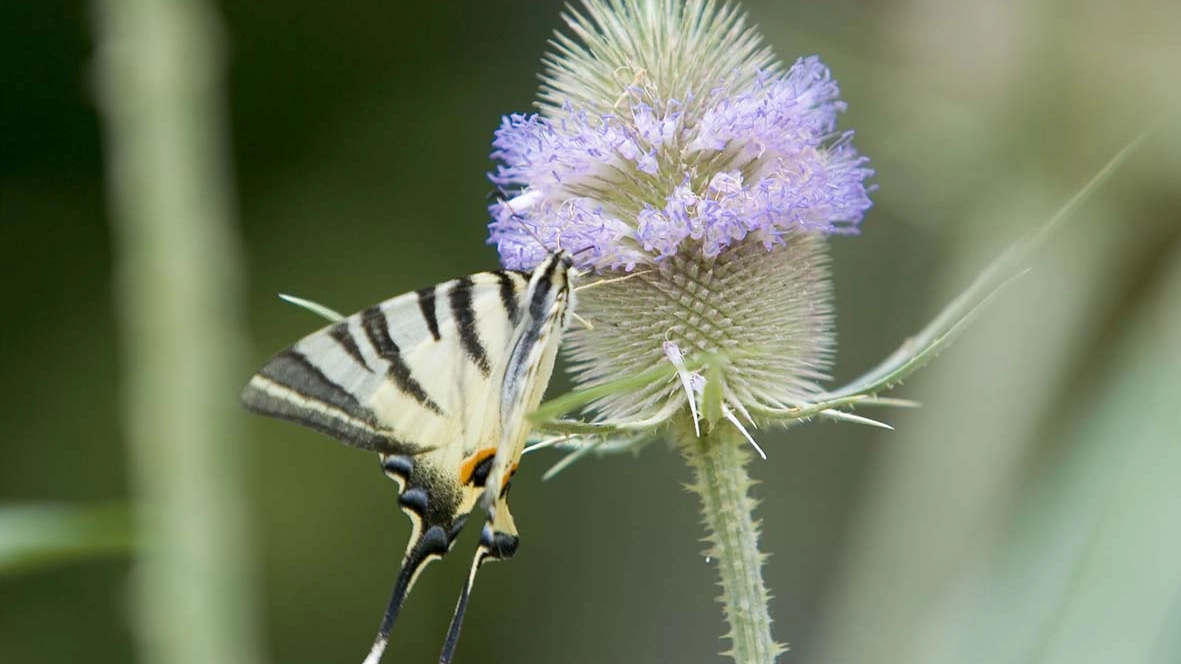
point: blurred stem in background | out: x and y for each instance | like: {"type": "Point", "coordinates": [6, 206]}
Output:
{"type": "Point", "coordinates": [177, 259]}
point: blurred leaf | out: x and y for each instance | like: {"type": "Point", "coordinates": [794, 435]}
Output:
{"type": "Point", "coordinates": [38, 536]}
{"type": "Point", "coordinates": [1091, 571]}
{"type": "Point", "coordinates": [1002, 272]}
{"type": "Point", "coordinates": [944, 490]}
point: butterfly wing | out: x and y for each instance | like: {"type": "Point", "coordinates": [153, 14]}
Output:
{"type": "Point", "coordinates": [408, 376]}
{"type": "Point", "coordinates": [531, 357]}
{"type": "Point", "coordinates": [532, 352]}
{"type": "Point", "coordinates": [418, 380]}
{"type": "Point", "coordinates": [438, 382]}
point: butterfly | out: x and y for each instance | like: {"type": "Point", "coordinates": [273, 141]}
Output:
{"type": "Point", "coordinates": [438, 382]}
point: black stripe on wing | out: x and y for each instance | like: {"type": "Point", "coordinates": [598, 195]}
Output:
{"type": "Point", "coordinates": [377, 330]}
{"type": "Point", "coordinates": [291, 388]}
{"type": "Point", "coordinates": [341, 334]}
{"type": "Point", "coordinates": [426, 304]}
{"type": "Point", "coordinates": [508, 293]}
{"type": "Point", "coordinates": [460, 298]}
{"type": "Point", "coordinates": [542, 284]}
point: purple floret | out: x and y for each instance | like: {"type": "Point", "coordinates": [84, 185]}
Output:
{"type": "Point", "coordinates": [655, 180]}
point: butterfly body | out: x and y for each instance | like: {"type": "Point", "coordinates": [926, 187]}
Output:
{"type": "Point", "coordinates": [438, 382]}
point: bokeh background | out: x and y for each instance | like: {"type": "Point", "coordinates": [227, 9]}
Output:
{"type": "Point", "coordinates": [1029, 512]}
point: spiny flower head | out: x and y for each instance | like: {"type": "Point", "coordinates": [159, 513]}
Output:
{"type": "Point", "coordinates": [672, 147]}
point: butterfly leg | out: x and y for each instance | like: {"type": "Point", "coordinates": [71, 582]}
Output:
{"type": "Point", "coordinates": [498, 541]}
{"type": "Point", "coordinates": [436, 520]}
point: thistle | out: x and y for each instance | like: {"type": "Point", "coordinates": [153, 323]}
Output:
{"type": "Point", "coordinates": [698, 179]}
{"type": "Point", "coordinates": [673, 148]}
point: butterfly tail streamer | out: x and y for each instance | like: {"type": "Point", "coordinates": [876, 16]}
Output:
{"type": "Point", "coordinates": [431, 545]}
{"type": "Point", "coordinates": [494, 545]}
{"type": "Point", "coordinates": [460, 609]}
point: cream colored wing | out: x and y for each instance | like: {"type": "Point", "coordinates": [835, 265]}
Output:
{"type": "Point", "coordinates": [438, 382]}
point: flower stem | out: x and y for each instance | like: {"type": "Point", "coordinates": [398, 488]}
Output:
{"type": "Point", "coordinates": [718, 460]}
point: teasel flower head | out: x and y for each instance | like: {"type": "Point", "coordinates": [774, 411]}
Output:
{"type": "Point", "coordinates": [672, 147]}
{"type": "Point", "coordinates": [695, 180]}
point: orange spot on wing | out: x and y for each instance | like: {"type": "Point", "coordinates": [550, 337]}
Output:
{"type": "Point", "coordinates": [508, 477]}
{"type": "Point", "coordinates": [469, 464]}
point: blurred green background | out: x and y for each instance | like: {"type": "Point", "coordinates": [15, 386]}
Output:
{"type": "Point", "coordinates": [1029, 512]}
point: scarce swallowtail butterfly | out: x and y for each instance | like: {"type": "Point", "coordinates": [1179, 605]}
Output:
{"type": "Point", "coordinates": [437, 382]}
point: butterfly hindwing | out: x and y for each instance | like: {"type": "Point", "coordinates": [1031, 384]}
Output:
{"type": "Point", "coordinates": [527, 372]}
{"type": "Point", "coordinates": [411, 379]}
{"type": "Point", "coordinates": [531, 360]}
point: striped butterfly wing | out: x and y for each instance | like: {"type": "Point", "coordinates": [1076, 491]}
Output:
{"type": "Point", "coordinates": [413, 379]}
{"type": "Point", "coordinates": [407, 377]}
{"type": "Point", "coordinates": [433, 381]}
{"type": "Point", "coordinates": [549, 305]}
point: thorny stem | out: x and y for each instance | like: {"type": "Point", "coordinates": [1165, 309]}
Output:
{"type": "Point", "coordinates": [718, 460]}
